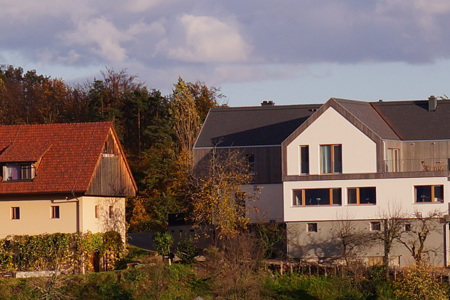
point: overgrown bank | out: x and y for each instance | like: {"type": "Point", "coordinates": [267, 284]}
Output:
{"type": "Point", "coordinates": [161, 281]}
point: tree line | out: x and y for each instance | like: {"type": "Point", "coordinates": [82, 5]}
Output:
{"type": "Point", "coordinates": [157, 131]}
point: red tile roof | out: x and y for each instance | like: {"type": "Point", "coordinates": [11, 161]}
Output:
{"type": "Point", "coordinates": [67, 155]}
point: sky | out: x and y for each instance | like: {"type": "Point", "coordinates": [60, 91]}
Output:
{"type": "Point", "coordinates": [287, 51]}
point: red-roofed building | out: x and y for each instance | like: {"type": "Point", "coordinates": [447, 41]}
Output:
{"type": "Point", "coordinates": [62, 178]}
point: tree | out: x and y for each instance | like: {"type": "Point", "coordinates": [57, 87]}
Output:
{"type": "Point", "coordinates": [351, 239]}
{"type": "Point", "coordinates": [393, 221]}
{"type": "Point", "coordinates": [415, 236]}
{"type": "Point", "coordinates": [205, 98]}
{"type": "Point", "coordinates": [186, 123]}
{"type": "Point", "coordinates": [220, 200]}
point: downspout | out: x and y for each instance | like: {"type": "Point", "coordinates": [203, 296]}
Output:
{"type": "Point", "coordinates": [77, 222]}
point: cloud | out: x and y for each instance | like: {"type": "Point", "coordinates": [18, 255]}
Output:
{"type": "Point", "coordinates": [204, 39]}
{"type": "Point", "coordinates": [223, 41]}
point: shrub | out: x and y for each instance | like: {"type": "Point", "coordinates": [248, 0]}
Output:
{"type": "Point", "coordinates": [187, 251]}
{"type": "Point", "coordinates": [418, 284]}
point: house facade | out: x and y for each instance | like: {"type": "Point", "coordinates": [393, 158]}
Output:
{"type": "Point", "coordinates": [62, 178]}
{"type": "Point", "coordinates": [353, 164]}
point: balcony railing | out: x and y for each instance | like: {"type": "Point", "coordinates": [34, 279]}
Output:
{"type": "Point", "coordinates": [417, 165]}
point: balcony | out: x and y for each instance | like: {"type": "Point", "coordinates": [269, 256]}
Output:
{"type": "Point", "coordinates": [417, 165]}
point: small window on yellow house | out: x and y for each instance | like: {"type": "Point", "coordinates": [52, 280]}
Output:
{"type": "Point", "coordinates": [15, 213]}
{"type": "Point", "coordinates": [111, 212]}
{"type": "Point", "coordinates": [55, 212]}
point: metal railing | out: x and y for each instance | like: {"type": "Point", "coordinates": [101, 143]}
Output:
{"type": "Point", "coordinates": [417, 165]}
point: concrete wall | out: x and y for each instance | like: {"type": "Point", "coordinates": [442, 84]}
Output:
{"type": "Point", "coordinates": [358, 151]}
{"type": "Point", "coordinates": [325, 243]}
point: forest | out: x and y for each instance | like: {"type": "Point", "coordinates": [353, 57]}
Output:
{"type": "Point", "coordinates": [157, 131]}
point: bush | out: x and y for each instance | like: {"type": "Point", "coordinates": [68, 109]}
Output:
{"type": "Point", "coordinates": [419, 284]}
{"type": "Point", "coordinates": [295, 286]}
{"type": "Point", "coordinates": [187, 251]}
{"type": "Point", "coordinates": [163, 241]}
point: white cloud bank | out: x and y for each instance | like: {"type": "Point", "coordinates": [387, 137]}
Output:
{"type": "Point", "coordinates": [222, 41]}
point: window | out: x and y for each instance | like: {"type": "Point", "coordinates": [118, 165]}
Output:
{"type": "Point", "coordinates": [393, 160]}
{"type": "Point", "coordinates": [330, 159]}
{"type": "Point", "coordinates": [251, 163]}
{"type": "Point", "coordinates": [55, 212]}
{"type": "Point", "coordinates": [15, 213]}
{"type": "Point", "coordinates": [407, 227]}
{"type": "Point", "coordinates": [311, 227]}
{"type": "Point", "coordinates": [309, 197]}
{"type": "Point", "coordinates": [110, 212]}
{"type": "Point", "coordinates": [304, 159]}
{"type": "Point", "coordinates": [375, 226]}
{"type": "Point", "coordinates": [429, 193]}
{"type": "Point", "coordinates": [363, 195]}
{"type": "Point", "coordinates": [18, 172]}
{"type": "Point", "coordinates": [96, 212]}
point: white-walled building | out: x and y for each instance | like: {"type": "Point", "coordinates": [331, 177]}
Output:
{"type": "Point", "coordinates": [343, 161]}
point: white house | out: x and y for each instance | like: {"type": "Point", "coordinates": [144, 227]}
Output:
{"type": "Point", "coordinates": [343, 161]}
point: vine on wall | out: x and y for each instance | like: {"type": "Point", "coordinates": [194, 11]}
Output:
{"type": "Point", "coordinates": [65, 252]}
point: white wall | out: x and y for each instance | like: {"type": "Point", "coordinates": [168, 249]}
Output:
{"type": "Point", "coordinates": [88, 221]}
{"type": "Point", "coordinates": [358, 151]}
{"type": "Point", "coordinates": [391, 194]}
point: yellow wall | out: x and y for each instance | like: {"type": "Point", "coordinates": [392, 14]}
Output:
{"type": "Point", "coordinates": [35, 216]}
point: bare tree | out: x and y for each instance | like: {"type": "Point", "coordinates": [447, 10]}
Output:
{"type": "Point", "coordinates": [352, 239]}
{"type": "Point", "coordinates": [392, 221]}
{"type": "Point", "coordinates": [416, 233]}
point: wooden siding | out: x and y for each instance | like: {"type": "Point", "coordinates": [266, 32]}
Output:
{"type": "Point", "coordinates": [267, 162]}
{"type": "Point", "coordinates": [112, 177]}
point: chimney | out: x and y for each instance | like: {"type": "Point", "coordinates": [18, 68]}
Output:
{"type": "Point", "coordinates": [267, 103]}
{"type": "Point", "coordinates": [432, 103]}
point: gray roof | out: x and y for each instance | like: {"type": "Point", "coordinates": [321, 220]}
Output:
{"type": "Point", "coordinates": [411, 120]}
{"type": "Point", "coordinates": [271, 125]}
{"type": "Point", "coordinates": [368, 115]}
{"type": "Point", "coordinates": [252, 126]}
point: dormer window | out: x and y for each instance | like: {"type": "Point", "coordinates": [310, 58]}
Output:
{"type": "Point", "coordinates": [18, 171]}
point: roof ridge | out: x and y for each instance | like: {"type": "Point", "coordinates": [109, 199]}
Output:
{"type": "Point", "coordinates": [57, 124]}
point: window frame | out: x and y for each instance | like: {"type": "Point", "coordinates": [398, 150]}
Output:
{"type": "Point", "coordinates": [375, 226]}
{"type": "Point", "coordinates": [96, 211]}
{"type": "Point", "coordinates": [331, 195]}
{"type": "Point", "coordinates": [393, 160]}
{"type": "Point", "coordinates": [24, 171]}
{"type": "Point", "coordinates": [432, 194]}
{"type": "Point", "coordinates": [304, 159]}
{"type": "Point", "coordinates": [312, 227]}
{"type": "Point", "coordinates": [407, 227]}
{"type": "Point", "coordinates": [358, 195]}
{"type": "Point", "coordinates": [55, 212]}
{"type": "Point", "coordinates": [251, 163]}
{"type": "Point", "coordinates": [334, 163]}
{"type": "Point", "coordinates": [15, 213]}
{"type": "Point", "coordinates": [111, 212]}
